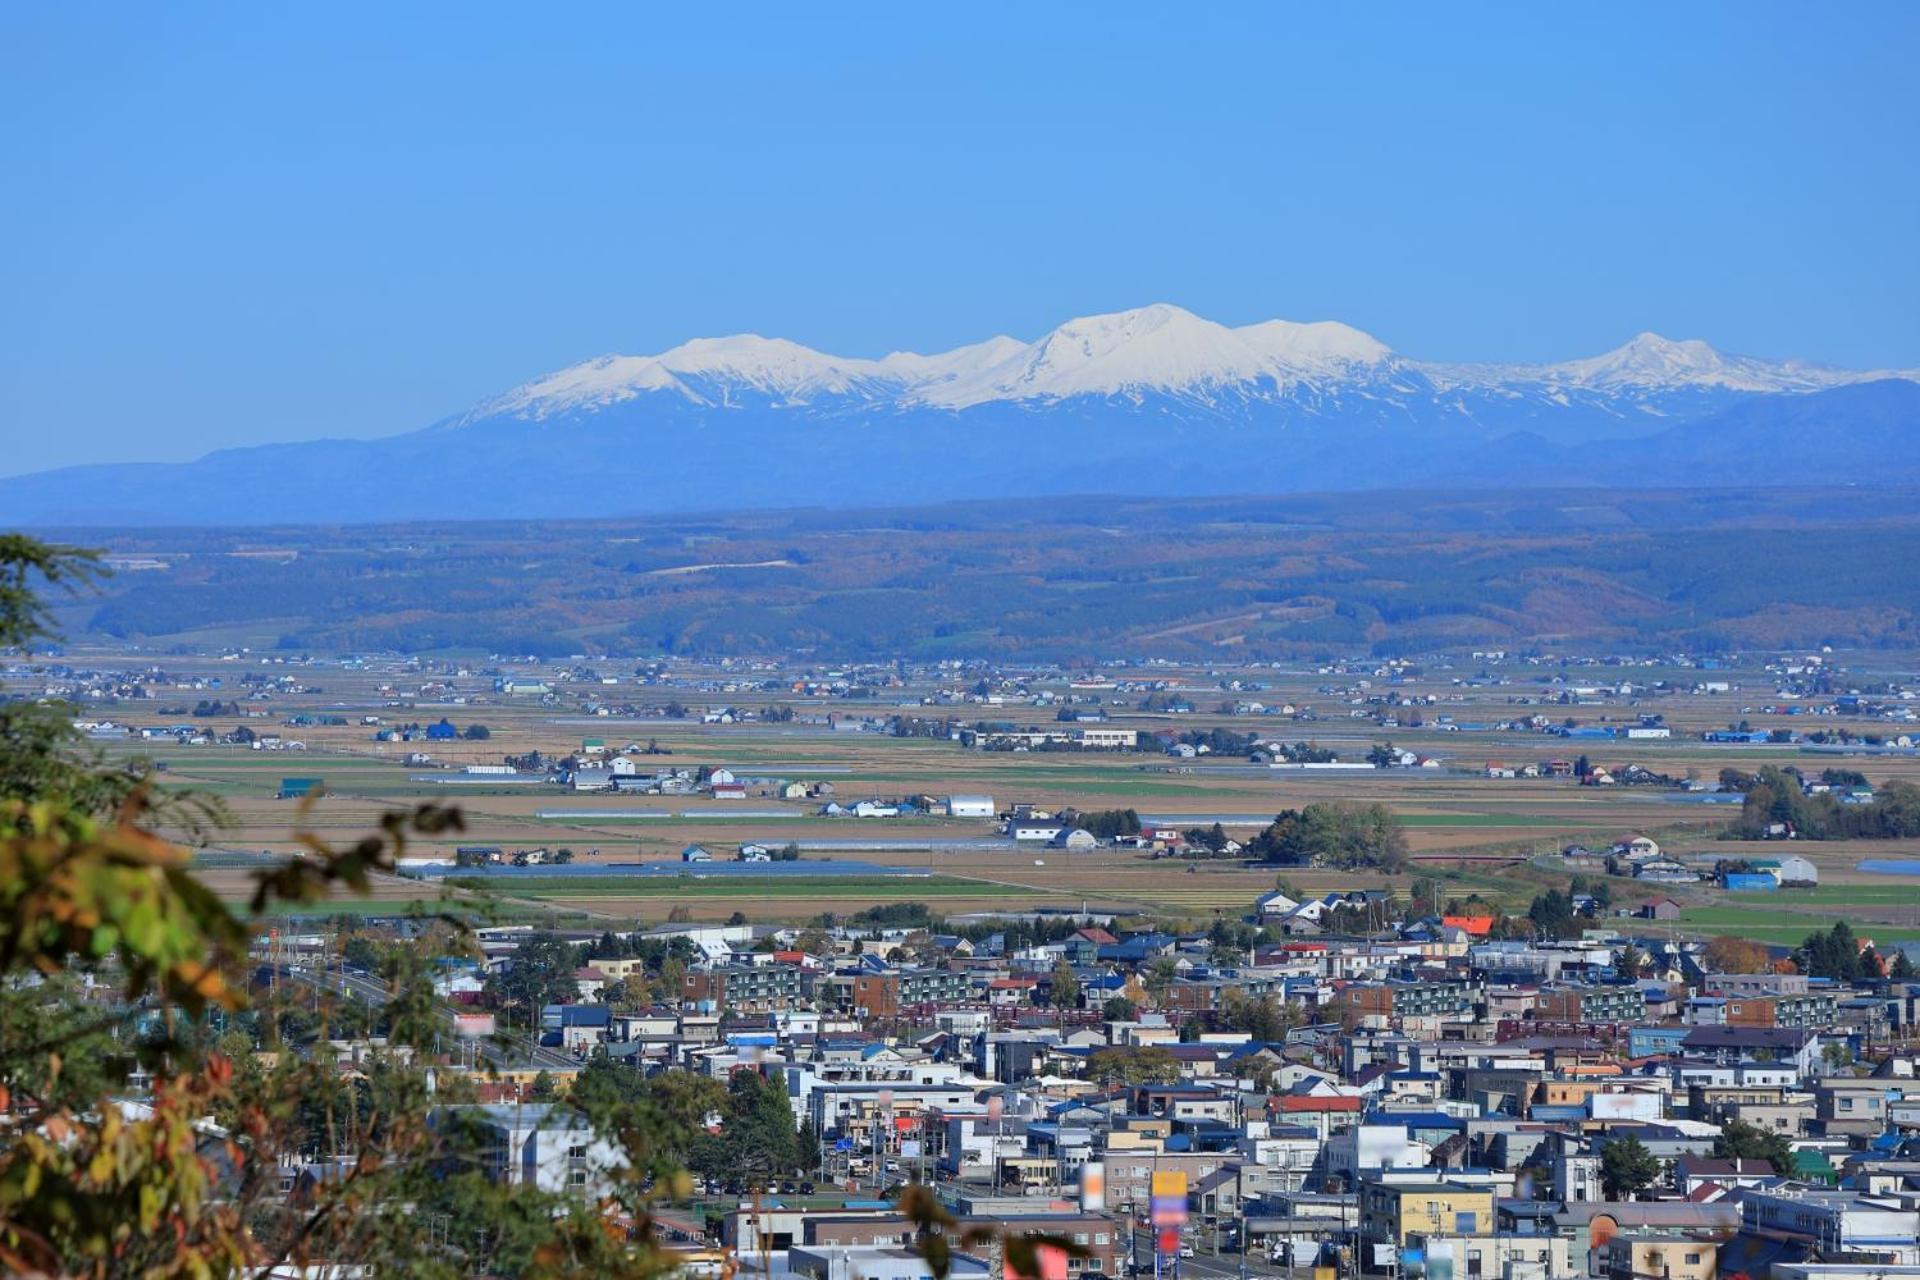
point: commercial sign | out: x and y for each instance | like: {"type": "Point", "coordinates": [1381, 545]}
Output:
{"type": "Point", "coordinates": [1093, 1187]}
{"type": "Point", "coordinates": [1167, 1204]}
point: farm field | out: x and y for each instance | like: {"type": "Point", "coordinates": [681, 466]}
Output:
{"type": "Point", "coordinates": [1495, 838]}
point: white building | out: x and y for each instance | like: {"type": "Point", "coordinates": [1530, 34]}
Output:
{"type": "Point", "coordinates": [873, 1262]}
{"type": "Point", "coordinates": [1371, 1148]}
{"type": "Point", "coordinates": [1795, 870]}
{"type": "Point", "coordinates": [1274, 905]}
{"type": "Point", "coordinates": [536, 1145]}
{"type": "Point", "coordinates": [971, 806]}
{"type": "Point", "coordinates": [1835, 1222]}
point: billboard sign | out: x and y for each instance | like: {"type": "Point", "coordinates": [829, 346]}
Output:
{"type": "Point", "coordinates": [1093, 1187]}
{"type": "Point", "coordinates": [1168, 1202]}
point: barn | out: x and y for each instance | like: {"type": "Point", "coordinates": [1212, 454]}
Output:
{"type": "Point", "coordinates": [970, 806]}
{"type": "Point", "coordinates": [1792, 872]}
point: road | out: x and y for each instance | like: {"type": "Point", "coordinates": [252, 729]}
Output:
{"type": "Point", "coordinates": [1204, 1264]}
{"type": "Point", "coordinates": [516, 1055]}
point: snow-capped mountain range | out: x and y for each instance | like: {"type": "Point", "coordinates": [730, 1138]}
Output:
{"type": "Point", "coordinates": [1160, 350]}
{"type": "Point", "coordinates": [1151, 401]}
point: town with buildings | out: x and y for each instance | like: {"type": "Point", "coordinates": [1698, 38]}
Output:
{"type": "Point", "coordinates": [1613, 1102]}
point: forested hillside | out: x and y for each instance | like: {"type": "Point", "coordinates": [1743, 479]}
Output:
{"type": "Point", "coordinates": [1344, 574]}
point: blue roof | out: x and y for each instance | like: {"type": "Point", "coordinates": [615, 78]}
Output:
{"type": "Point", "coordinates": [578, 1015]}
{"type": "Point", "coordinates": [1421, 1119]}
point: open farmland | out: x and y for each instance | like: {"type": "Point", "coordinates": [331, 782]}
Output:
{"type": "Point", "coordinates": [1490, 836]}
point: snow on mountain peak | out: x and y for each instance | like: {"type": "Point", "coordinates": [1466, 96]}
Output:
{"type": "Point", "coordinates": [1648, 358]}
{"type": "Point", "coordinates": [772, 366]}
{"type": "Point", "coordinates": [1321, 346]}
{"type": "Point", "coordinates": [950, 366]}
{"type": "Point", "coordinates": [1160, 349]}
{"type": "Point", "coordinates": [703, 370]}
{"type": "Point", "coordinates": [1163, 348]}
{"type": "Point", "coordinates": [1648, 361]}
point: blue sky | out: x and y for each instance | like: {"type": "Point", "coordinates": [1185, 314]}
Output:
{"type": "Point", "coordinates": [226, 226]}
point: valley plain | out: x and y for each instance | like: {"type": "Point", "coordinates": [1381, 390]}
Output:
{"type": "Point", "coordinates": [1482, 835]}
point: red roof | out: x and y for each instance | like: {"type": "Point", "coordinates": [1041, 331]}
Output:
{"type": "Point", "coordinates": [1478, 926]}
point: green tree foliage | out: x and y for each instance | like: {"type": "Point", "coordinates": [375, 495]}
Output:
{"type": "Point", "coordinates": [1128, 1065]}
{"type": "Point", "coordinates": [1739, 1140]}
{"type": "Point", "coordinates": [43, 758]}
{"type": "Point", "coordinates": [1265, 1018]}
{"type": "Point", "coordinates": [1213, 839]}
{"type": "Point", "coordinates": [539, 974]}
{"type": "Point", "coordinates": [1775, 796]}
{"type": "Point", "coordinates": [897, 915]}
{"type": "Point", "coordinates": [1159, 978]}
{"type": "Point", "coordinates": [1110, 824]}
{"type": "Point", "coordinates": [1063, 991]}
{"type": "Point", "coordinates": [1234, 940]}
{"type": "Point", "coordinates": [1553, 916]}
{"type": "Point", "coordinates": [28, 567]}
{"type": "Point", "coordinates": [1223, 742]}
{"type": "Point", "coordinates": [758, 1139]}
{"type": "Point", "coordinates": [1335, 834]}
{"type": "Point", "coordinates": [1836, 953]}
{"type": "Point", "coordinates": [740, 1131]}
{"type": "Point", "coordinates": [57, 1049]}
{"type": "Point", "coordinates": [1628, 1169]}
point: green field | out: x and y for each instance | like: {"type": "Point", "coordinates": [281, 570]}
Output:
{"type": "Point", "coordinates": [474, 912]}
{"type": "Point", "coordinates": [745, 887]}
{"type": "Point", "coordinates": [1780, 927]}
{"type": "Point", "coordinates": [1845, 895]}
{"type": "Point", "coordinates": [1496, 820]}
